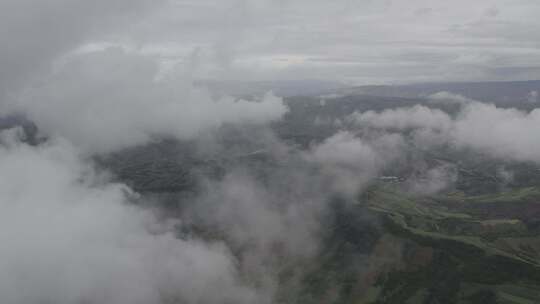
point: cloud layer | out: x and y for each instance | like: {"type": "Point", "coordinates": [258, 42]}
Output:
{"type": "Point", "coordinates": [34, 33]}
{"type": "Point", "coordinates": [348, 163]}
{"type": "Point", "coordinates": [67, 235]}
{"type": "Point", "coordinates": [363, 42]}
{"type": "Point", "coordinates": [501, 132]}
{"type": "Point", "coordinates": [107, 100]}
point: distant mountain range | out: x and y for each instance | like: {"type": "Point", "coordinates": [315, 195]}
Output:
{"type": "Point", "coordinates": [497, 92]}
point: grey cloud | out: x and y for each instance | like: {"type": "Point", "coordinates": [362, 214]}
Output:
{"type": "Point", "coordinates": [67, 235]}
{"type": "Point", "coordinates": [264, 32]}
{"type": "Point", "coordinates": [108, 100]}
{"type": "Point", "coordinates": [433, 180]}
{"type": "Point", "coordinates": [33, 33]}
{"type": "Point", "coordinates": [500, 132]}
{"type": "Point", "coordinates": [449, 98]}
{"type": "Point", "coordinates": [371, 41]}
{"type": "Point", "coordinates": [404, 118]}
{"type": "Point", "coordinates": [505, 175]}
{"type": "Point", "coordinates": [267, 222]}
{"type": "Point", "coordinates": [275, 212]}
{"type": "Point", "coordinates": [349, 162]}
{"type": "Point", "coordinates": [532, 97]}
{"type": "Point", "coordinates": [507, 133]}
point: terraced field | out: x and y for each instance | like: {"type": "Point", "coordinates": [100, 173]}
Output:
{"type": "Point", "coordinates": [473, 258]}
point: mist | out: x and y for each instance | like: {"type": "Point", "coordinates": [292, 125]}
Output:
{"type": "Point", "coordinates": [272, 195]}
{"type": "Point", "coordinates": [69, 235]}
{"type": "Point", "coordinates": [506, 133]}
{"type": "Point", "coordinates": [134, 108]}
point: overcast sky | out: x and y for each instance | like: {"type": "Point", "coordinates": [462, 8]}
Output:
{"type": "Point", "coordinates": [356, 41]}
{"type": "Point", "coordinates": [362, 41]}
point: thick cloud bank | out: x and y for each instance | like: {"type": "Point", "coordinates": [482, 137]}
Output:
{"type": "Point", "coordinates": [108, 100]}
{"type": "Point", "coordinates": [69, 236]}
{"type": "Point", "coordinates": [501, 132]}
{"type": "Point", "coordinates": [507, 133]}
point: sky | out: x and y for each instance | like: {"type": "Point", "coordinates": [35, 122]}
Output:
{"type": "Point", "coordinates": [361, 42]}
{"type": "Point", "coordinates": [357, 42]}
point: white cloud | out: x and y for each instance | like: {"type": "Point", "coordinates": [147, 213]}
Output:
{"type": "Point", "coordinates": [449, 98]}
{"type": "Point", "coordinates": [507, 133]}
{"type": "Point", "coordinates": [69, 236]}
{"type": "Point", "coordinates": [403, 118]}
{"type": "Point", "coordinates": [500, 132]}
{"type": "Point", "coordinates": [532, 97]}
{"type": "Point", "coordinates": [108, 100]}
{"type": "Point", "coordinates": [269, 221]}
{"type": "Point", "coordinates": [349, 162]}
{"type": "Point", "coordinates": [433, 180]}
